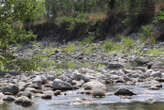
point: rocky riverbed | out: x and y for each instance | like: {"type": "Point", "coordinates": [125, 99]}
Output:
{"type": "Point", "coordinates": [115, 78]}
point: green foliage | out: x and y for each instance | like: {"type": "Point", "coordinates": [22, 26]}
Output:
{"type": "Point", "coordinates": [159, 18]}
{"type": "Point", "coordinates": [126, 21]}
{"type": "Point", "coordinates": [155, 52]}
{"type": "Point", "coordinates": [87, 40]}
{"type": "Point", "coordinates": [70, 48]}
{"type": "Point", "coordinates": [57, 8]}
{"type": "Point", "coordinates": [100, 66]}
{"type": "Point", "coordinates": [112, 46]}
{"type": "Point", "coordinates": [80, 18]}
{"type": "Point", "coordinates": [147, 34]}
{"type": "Point", "coordinates": [2, 62]}
{"type": "Point", "coordinates": [89, 49]}
{"type": "Point", "coordinates": [24, 64]}
{"type": "Point", "coordinates": [10, 63]}
{"type": "Point", "coordinates": [86, 64]}
{"type": "Point", "coordinates": [66, 65]}
{"type": "Point", "coordinates": [10, 35]}
{"type": "Point", "coordinates": [12, 14]}
{"type": "Point", "coordinates": [15, 15]}
{"type": "Point", "coordinates": [108, 45]}
{"type": "Point", "coordinates": [127, 43]}
{"type": "Point", "coordinates": [47, 51]}
{"type": "Point", "coordinates": [73, 20]}
{"type": "Point", "coordinates": [58, 71]}
{"type": "Point", "coordinates": [28, 10]}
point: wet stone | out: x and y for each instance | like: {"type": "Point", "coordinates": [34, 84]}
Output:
{"type": "Point", "coordinates": [156, 86]}
{"type": "Point", "coordinates": [46, 96]}
{"type": "Point", "coordinates": [57, 92]}
{"type": "Point", "coordinates": [124, 92]}
{"type": "Point", "coordinates": [156, 74]}
{"type": "Point", "coordinates": [25, 93]}
{"type": "Point", "coordinates": [24, 101]}
{"type": "Point", "coordinates": [9, 98]}
{"type": "Point", "coordinates": [99, 94]}
{"type": "Point", "coordinates": [79, 77]}
{"type": "Point", "coordinates": [61, 85]}
{"type": "Point", "coordinates": [10, 90]}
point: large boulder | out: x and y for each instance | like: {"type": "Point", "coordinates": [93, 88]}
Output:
{"type": "Point", "coordinates": [61, 85]}
{"type": "Point", "coordinates": [93, 85]}
{"type": "Point", "coordinates": [95, 88]}
{"type": "Point", "coordinates": [10, 90]}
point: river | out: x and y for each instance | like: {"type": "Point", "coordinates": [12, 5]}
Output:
{"type": "Point", "coordinates": [144, 100]}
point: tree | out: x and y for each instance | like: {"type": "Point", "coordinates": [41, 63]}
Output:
{"type": "Point", "coordinates": [111, 4]}
{"type": "Point", "coordinates": [13, 15]}
{"type": "Point", "coordinates": [56, 8]}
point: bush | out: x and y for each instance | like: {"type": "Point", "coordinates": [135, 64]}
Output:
{"type": "Point", "coordinates": [127, 43]}
{"type": "Point", "coordinates": [69, 48]}
{"type": "Point", "coordinates": [14, 16]}
{"type": "Point", "coordinates": [112, 47]}
{"type": "Point", "coordinates": [73, 20]}
{"type": "Point", "coordinates": [159, 18]}
{"type": "Point", "coordinates": [147, 34]}
{"type": "Point", "coordinates": [108, 45]}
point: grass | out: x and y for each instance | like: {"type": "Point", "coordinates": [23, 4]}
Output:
{"type": "Point", "coordinates": [87, 40]}
{"type": "Point", "coordinates": [58, 71]}
{"type": "Point", "coordinates": [108, 45]}
{"type": "Point", "coordinates": [99, 66]}
{"type": "Point", "coordinates": [48, 51]}
{"type": "Point", "coordinates": [40, 61]}
{"type": "Point", "coordinates": [89, 49]}
{"type": "Point", "coordinates": [155, 52]}
{"type": "Point", "coordinates": [66, 65]}
{"type": "Point", "coordinates": [85, 64]}
{"type": "Point", "coordinates": [69, 48]}
{"type": "Point", "coordinates": [127, 43]}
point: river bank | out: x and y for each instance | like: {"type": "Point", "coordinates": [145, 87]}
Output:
{"type": "Point", "coordinates": [86, 71]}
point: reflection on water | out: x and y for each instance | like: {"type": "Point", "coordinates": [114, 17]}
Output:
{"type": "Point", "coordinates": [12, 106]}
{"type": "Point", "coordinates": [118, 106]}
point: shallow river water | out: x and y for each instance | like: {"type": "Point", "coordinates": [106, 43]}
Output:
{"type": "Point", "coordinates": [74, 101]}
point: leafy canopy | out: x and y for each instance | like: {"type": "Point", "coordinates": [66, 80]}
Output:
{"type": "Point", "coordinates": [13, 15]}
